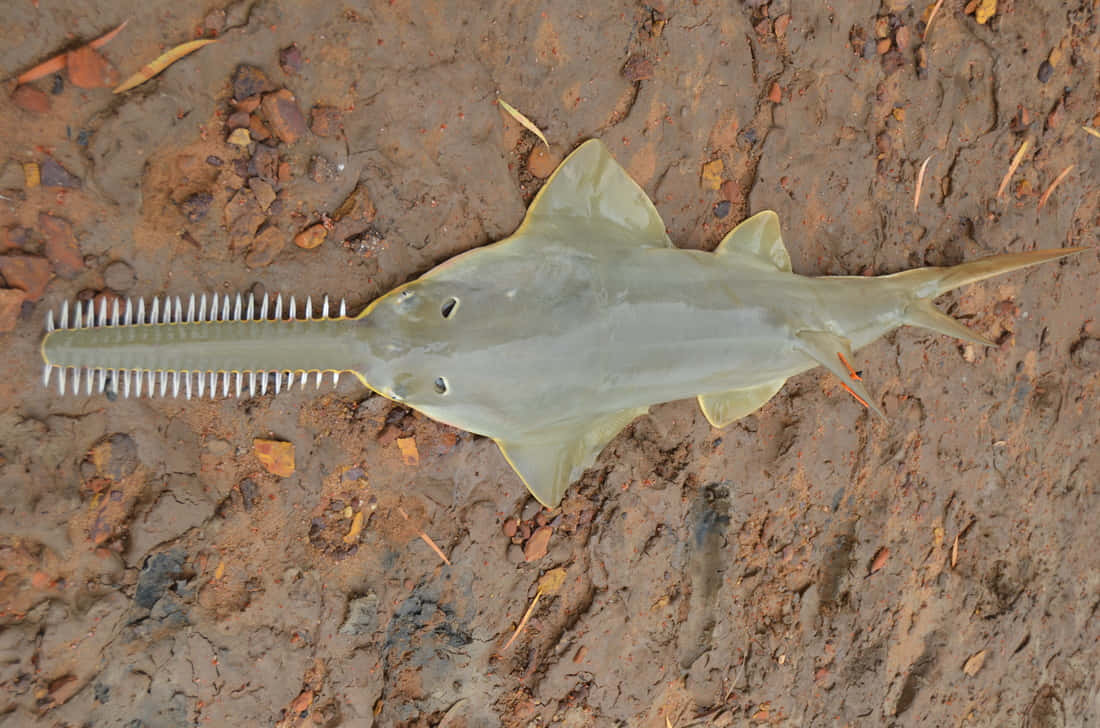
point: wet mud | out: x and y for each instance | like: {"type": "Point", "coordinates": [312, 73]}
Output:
{"type": "Point", "coordinates": [809, 565]}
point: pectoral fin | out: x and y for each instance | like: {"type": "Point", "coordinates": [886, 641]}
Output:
{"type": "Point", "coordinates": [834, 353]}
{"type": "Point", "coordinates": [727, 407]}
{"type": "Point", "coordinates": [549, 461]}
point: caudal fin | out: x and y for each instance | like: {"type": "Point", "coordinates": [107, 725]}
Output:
{"type": "Point", "coordinates": [928, 283]}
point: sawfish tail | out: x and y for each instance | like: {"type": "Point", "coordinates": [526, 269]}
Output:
{"type": "Point", "coordinates": [925, 284]}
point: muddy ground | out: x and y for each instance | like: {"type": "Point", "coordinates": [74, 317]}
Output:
{"type": "Point", "coordinates": [809, 565]}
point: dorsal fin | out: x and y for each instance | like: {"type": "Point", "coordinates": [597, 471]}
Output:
{"type": "Point", "coordinates": [759, 239]}
{"type": "Point", "coordinates": [591, 190]}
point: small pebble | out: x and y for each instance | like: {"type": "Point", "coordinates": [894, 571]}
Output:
{"type": "Point", "coordinates": [1045, 71]}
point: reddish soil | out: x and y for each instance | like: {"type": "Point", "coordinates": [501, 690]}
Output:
{"type": "Point", "coordinates": [809, 565]}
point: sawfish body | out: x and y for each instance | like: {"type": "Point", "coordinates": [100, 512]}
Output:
{"type": "Point", "coordinates": [554, 339]}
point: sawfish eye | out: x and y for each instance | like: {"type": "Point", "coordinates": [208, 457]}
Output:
{"type": "Point", "coordinates": [449, 307]}
{"type": "Point", "coordinates": [441, 385]}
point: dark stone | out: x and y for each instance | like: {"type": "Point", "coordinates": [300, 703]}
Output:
{"type": "Point", "coordinates": [54, 175]}
{"type": "Point", "coordinates": [290, 59]}
{"type": "Point", "coordinates": [264, 164]}
{"type": "Point", "coordinates": [196, 206]}
{"type": "Point", "coordinates": [722, 209]}
{"type": "Point", "coordinates": [249, 493]}
{"type": "Point", "coordinates": [250, 81]}
{"type": "Point", "coordinates": [158, 573]}
{"type": "Point", "coordinates": [1045, 71]}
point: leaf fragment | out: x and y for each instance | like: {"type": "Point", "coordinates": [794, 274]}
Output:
{"type": "Point", "coordinates": [880, 559]}
{"type": "Point", "coordinates": [409, 453]}
{"type": "Point", "coordinates": [986, 10]}
{"type": "Point", "coordinates": [356, 528]}
{"type": "Point", "coordinates": [551, 581]}
{"type": "Point", "coordinates": [1091, 130]}
{"type": "Point", "coordinates": [712, 174]}
{"type": "Point", "coordinates": [276, 456]}
{"type": "Point", "coordinates": [974, 663]}
{"type": "Point", "coordinates": [527, 123]}
{"type": "Point", "coordinates": [162, 62]}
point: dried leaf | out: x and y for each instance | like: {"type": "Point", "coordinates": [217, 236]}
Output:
{"type": "Point", "coordinates": [527, 123]}
{"type": "Point", "coordinates": [712, 174]}
{"type": "Point", "coordinates": [277, 457]}
{"type": "Point", "coordinates": [219, 571]}
{"type": "Point", "coordinates": [1012, 167]}
{"type": "Point", "coordinates": [955, 551]}
{"type": "Point", "coordinates": [32, 176]}
{"type": "Point", "coordinates": [162, 62]}
{"type": "Point", "coordinates": [931, 16]}
{"type": "Point", "coordinates": [356, 529]}
{"type": "Point", "coordinates": [57, 63]}
{"type": "Point", "coordinates": [551, 581]}
{"type": "Point", "coordinates": [239, 138]}
{"type": "Point", "coordinates": [1090, 130]}
{"type": "Point", "coordinates": [880, 559]}
{"type": "Point", "coordinates": [89, 69]}
{"type": "Point", "coordinates": [974, 663]}
{"type": "Point", "coordinates": [920, 181]}
{"type": "Point", "coordinates": [986, 10]}
{"type": "Point", "coordinates": [409, 453]}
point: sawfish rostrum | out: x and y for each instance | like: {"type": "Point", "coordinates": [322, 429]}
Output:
{"type": "Point", "coordinates": [550, 341]}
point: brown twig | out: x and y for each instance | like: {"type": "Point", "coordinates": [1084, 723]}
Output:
{"type": "Point", "coordinates": [1055, 183]}
{"type": "Point", "coordinates": [55, 64]}
{"type": "Point", "coordinates": [523, 622]}
{"type": "Point", "coordinates": [928, 25]}
{"type": "Point", "coordinates": [426, 538]}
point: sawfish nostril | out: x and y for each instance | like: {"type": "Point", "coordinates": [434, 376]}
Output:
{"type": "Point", "coordinates": [448, 308]}
{"type": "Point", "coordinates": [441, 385]}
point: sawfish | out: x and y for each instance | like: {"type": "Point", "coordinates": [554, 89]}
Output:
{"type": "Point", "coordinates": [550, 341]}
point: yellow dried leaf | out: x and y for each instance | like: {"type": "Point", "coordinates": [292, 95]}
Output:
{"type": "Point", "coordinates": [527, 123]}
{"type": "Point", "coordinates": [937, 536]}
{"type": "Point", "coordinates": [409, 453]}
{"type": "Point", "coordinates": [986, 10]}
{"type": "Point", "coordinates": [31, 175]}
{"type": "Point", "coordinates": [240, 137]}
{"type": "Point", "coordinates": [712, 174]}
{"type": "Point", "coordinates": [1090, 130]}
{"type": "Point", "coordinates": [219, 572]}
{"type": "Point", "coordinates": [356, 529]}
{"type": "Point", "coordinates": [162, 62]}
{"type": "Point", "coordinates": [551, 581]}
{"type": "Point", "coordinates": [974, 663]}
{"type": "Point", "coordinates": [277, 457]}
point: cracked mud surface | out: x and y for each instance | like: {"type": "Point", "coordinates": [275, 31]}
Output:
{"type": "Point", "coordinates": [806, 566]}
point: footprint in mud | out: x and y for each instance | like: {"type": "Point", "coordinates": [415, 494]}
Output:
{"type": "Point", "coordinates": [709, 519]}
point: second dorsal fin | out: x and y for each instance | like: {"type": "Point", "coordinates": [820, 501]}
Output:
{"type": "Point", "coordinates": [759, 240]}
